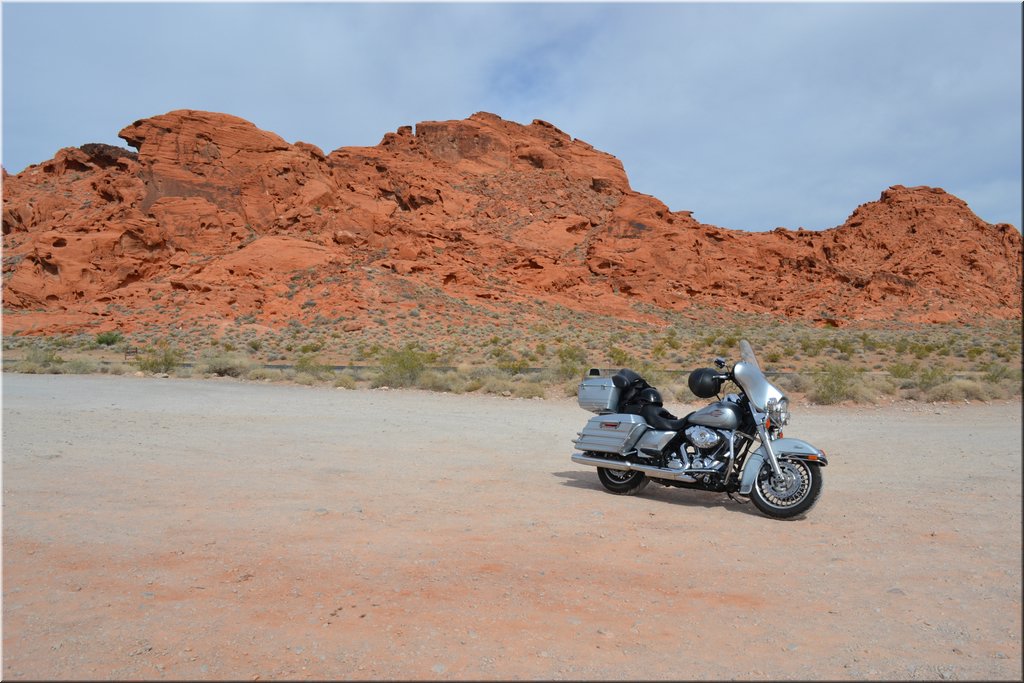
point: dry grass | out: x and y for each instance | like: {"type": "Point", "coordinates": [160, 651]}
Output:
{"type": "Point", "coordinates": [548, 356]}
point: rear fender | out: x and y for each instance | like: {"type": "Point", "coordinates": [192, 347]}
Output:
{"type": "Point", "coordinates": [784, 449]}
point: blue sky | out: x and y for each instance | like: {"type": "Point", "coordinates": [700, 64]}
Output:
{"type": "Point", "coordinates": [751, 115]}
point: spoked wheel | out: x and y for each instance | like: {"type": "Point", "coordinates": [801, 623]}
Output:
{"type": "Point", "coordinates": [622, 482]}
{"type": "Point", "coordinates": [794, 493]}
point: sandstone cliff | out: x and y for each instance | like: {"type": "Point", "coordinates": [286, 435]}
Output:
{"type": "Point", "coordinates": [212, 218]}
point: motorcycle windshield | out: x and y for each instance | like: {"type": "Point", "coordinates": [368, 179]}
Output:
{"type": "Point", "coordinates": [747, 373]}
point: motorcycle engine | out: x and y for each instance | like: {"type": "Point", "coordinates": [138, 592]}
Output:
{"type": "Point", "coordinates": [702, 437]}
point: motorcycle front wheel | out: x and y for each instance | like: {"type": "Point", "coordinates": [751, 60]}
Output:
{"type": "Point", "coordinates": [790, 495]}
{"type": "Point", "coordinates": [622, 482]}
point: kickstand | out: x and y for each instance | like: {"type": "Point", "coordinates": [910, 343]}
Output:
{"type": "Point", "coordinates": [741, 502]}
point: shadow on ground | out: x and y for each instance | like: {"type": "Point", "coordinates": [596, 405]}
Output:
{"type": "Point", "coordinates": [666, 494]}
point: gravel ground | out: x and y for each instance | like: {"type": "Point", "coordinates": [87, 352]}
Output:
{"type": "Point", "coordinates": [216, 529]}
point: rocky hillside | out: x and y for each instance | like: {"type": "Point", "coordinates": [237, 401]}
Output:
{"type": "Point", "coordinates": [214, 219]}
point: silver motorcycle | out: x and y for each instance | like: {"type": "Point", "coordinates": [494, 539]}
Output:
{"type": "Point", "coordinates": [734, 445]}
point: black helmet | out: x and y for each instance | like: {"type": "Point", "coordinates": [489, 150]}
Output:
{"type": "Point", "coordinates": [650, 396]}
{"type": "Point", "coordinates": [705, 382]}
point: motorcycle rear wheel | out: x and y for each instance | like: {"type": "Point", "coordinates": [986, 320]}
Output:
{"type": "Point", "coordinates": [622, 482]}
{"type": "Point", "coordinates": [794, 494]}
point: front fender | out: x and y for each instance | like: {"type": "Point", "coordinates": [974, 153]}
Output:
{"type": "Point", "coordinates": [785, 449]}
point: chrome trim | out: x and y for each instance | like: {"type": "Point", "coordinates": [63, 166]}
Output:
{"type": "Point", "coordinates": [766, 441]}
{"type": "Point", "coordinates": [732, 455]}
{"type": "Point", "coordinates": [650, 470]}
{"type": "Point", "coordinates": [818, 459]}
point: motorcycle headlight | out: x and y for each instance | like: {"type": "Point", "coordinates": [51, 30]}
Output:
{"type": "Point", "coordinates": [778, 412]}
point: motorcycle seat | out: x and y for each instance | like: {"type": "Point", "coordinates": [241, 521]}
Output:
{"type": "Point", "coordinates": [662, 420]}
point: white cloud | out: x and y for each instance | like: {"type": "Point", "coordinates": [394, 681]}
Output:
{"type": "Point", "coordinates": [750, 115]}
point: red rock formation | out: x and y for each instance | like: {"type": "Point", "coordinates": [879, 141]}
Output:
{"type": "Point", "coordinates": [213, 219]}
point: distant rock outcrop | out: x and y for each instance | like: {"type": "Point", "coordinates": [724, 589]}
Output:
{"type": "Point", "coordinates": [214, 218]}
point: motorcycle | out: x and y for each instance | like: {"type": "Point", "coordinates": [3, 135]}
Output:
{"type": "Point", "coordinates": [734, 445]}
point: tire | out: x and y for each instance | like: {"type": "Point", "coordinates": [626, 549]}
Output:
{"type": "Point", "coordinates": [793, 496]}
{"type": "Point", "coordinates": [622, 482]}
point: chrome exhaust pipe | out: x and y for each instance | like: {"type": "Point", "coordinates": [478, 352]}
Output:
{"type": "Point", "coordinates": [650, 470]}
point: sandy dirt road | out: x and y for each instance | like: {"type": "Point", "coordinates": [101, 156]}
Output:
{"type": "Point", "coordinates": [213, 529]}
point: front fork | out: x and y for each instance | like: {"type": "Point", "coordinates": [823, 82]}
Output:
{"type": "Point", "coordinates": [766, 440]}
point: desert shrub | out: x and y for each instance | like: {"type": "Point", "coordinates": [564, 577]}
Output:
{"type": "Point", "coordinates": [668, 392]}
{"type": "Point", "coordinates": [570, 361]}
{"type": "Point", "coordinates": [39, 361]}
{"type": "Point", "coordinates": [729, 341]}
{"type": "Point", "coordinates": [902, 370]}
{"type": "Point", "coordinates": [528, 390]}
{"type": "Point", "coordinates": [931, 376]}
{"type": "Point", "coordinates": [114, 368]}
{"type": "Point", "coordinates": [27, 368]}
{"type": "Point", "coordinates": [857, 387]}
{"type": "Point", "coordinates": [871, 387]}
{"type": "Point", "coordinates": [472, 380]}
{"type": "Point", "coordinates": [309, 364]}
{"type": "Point", "coordinates": [512, 365]}
{"type": "Point", "coordinates": [402, 367]}
{"type": "Point", "coordinates": [109, 338]}
{"type": "Point", "coordinates": [79, 367]}
{"type": "Point", "coordinates": [345, 380]}
{"type": "Point", "coordinates": [960, 390]}
{"type": "Point", "coordinates": [812, 347]}
{"type": "Point", "coordinates": [443, 381]}
{"type": "Point", "coordinates": [491, 381]}
{"type": "Point", "coordinates": [619, 358]}
{"type": "Point", "coordinates": [835, 382]}
{"type": "Point", "coordinates": [258, 374]}
{"type": "Point", "coordinates": [995, 372]}
{"type": "Point", "coordinates": [568, 389]}
{"type": "Point", "coordinates": [496, 384]}
{"type": "Point", "coordinates": [843, 346]}
{"type": "Point", "coordinates": [677, 389]}
{"type": "Point", "coordinates": [161, 357]}
{"type": "Point", "coordinates": [671, 339]}
{"type": "Point", "coordinates": [792, 382]}
{"type": "Point", "coordinates": [43, 357]}
{"type": "Point", "coordinates": [867, 342]}
{"type": "Point", "coordinates": [225, 365]}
